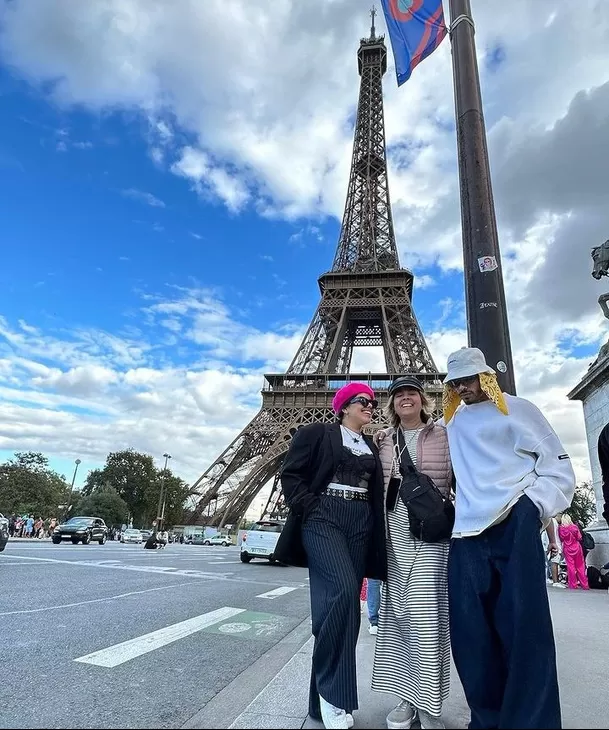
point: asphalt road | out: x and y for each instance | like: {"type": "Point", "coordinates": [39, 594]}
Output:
{"type": "Point", "coordinates": [121, 637]}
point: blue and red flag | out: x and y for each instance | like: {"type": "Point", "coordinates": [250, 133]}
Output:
{"type": "Point", "coordinates": [416, 28]}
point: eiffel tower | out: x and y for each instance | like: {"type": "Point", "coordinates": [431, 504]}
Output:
{"type": "Point", "coordinates": [365, 301]}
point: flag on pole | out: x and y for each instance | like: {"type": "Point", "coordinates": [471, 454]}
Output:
{"type": "Point", "coordinates": [416, 28]}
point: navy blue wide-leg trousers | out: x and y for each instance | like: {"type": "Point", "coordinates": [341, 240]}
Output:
{"type": "Point", "coordinates": [500, 625]}
{"type": "Point", "coordinates": [336, 537]}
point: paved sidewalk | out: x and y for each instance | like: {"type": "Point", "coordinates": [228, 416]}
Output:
{"type": "Point", "coordinates": [580, 624]}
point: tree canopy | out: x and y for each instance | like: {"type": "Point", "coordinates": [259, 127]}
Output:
{"type": "Point", "coordinates": [28, 485]}
{"type": "Point", "coordinates": [583, 506]}
{"type": "Point", "coordinates": [106, 503]}
{"type": "Point", "coordinates": [138, 483]}
{"type": "Point", "coordinates": [128, 486]}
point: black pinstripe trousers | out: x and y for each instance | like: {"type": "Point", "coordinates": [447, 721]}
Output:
{"type": "Point", "coordinates": [336, 537]}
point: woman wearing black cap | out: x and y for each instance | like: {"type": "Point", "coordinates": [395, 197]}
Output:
{"type": "Point", "coordinates": [412, 656]}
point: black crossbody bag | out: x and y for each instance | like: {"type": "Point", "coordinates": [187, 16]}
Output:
{"type": "Point", "coordinates": [431, 515]}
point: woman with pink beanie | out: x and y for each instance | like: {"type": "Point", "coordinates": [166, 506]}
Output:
{"type": "Point", "coordinates": [332, 481]}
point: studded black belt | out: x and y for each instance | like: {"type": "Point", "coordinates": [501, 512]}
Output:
{"type": "Point", "coordinates": [346, 493]}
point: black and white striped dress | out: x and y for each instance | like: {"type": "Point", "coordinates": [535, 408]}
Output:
{"type": "Point", "coordinates": [412, 655]}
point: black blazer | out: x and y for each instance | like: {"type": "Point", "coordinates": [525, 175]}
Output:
{"type": "Point", "coordinates": [308, 468]}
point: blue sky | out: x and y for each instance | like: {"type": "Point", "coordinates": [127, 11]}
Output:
{"type": "Point", "coordinates": [169, 199]}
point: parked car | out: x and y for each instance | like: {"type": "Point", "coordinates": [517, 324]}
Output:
{"type": "Point", "coordinates": [195, 540]}
{"type": "Point", "coordinates": [81, 529]}
{"type": "Point", "coordinates": [132, 535]}
{"type": "Point", "coordinates": [260, 540]}
{"type": "Point", "coordinates": [3, 532]}
{"type": "Point", "coordinates": [223, 540]}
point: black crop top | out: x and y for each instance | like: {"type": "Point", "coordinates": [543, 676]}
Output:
{"type": "Point", "coordinates": [354, 470]}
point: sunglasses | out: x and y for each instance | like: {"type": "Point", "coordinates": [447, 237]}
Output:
{"type": "Point", "coordinates": [454, 384]}
{"type": "Point", "coordinates": [365, 402]}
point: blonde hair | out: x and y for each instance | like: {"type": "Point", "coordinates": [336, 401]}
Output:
{"type": "Point", "coordinates": [393, 418]}
{"type": "Point", "coordinates": [566, 519]}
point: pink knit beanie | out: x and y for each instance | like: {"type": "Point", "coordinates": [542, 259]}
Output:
{"type": "Point", "coordinates": [344, 394]}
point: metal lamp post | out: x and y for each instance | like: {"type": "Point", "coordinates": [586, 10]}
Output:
{"type": "Point", "coordinates": [77, 463]}
{"type": "Point", "coordinates": [487, 322]}
{"type": "Point", "coordinates": [161, 508]}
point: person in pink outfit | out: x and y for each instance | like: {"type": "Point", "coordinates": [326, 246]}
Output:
{"type": "Point", "coordinates": [571, 539]}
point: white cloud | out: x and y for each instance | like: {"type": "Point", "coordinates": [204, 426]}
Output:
{"type": "Point", "coordinates": [211, 180]}
{"type": "Point", "coordinates": [424, 281]}
{"type": "Point", "coordinates": [143, 197]}
{"type": "Point", "coordinates": [85, 393]}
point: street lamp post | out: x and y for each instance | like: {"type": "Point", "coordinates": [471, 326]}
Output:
{"type": "Point", "coordinates": [161, 508]}
{"type": "Point", "coordinates": [77, 463]}
{"type": "Point", "coordinates": [487, 322]}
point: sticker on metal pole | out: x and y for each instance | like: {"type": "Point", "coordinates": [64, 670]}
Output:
{"type": "Point", "coordinates": [502, 367]}
{"type": "Point", "coordinates": [487, 263]}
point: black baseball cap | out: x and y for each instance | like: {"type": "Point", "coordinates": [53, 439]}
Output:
{"type": "Point", "coordinates": [406, 381]}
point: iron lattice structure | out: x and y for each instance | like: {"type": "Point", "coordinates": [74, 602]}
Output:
{"type": "Point", "coordinates": [365, 301]}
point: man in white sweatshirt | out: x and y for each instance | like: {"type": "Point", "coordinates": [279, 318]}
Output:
{"type": "Point", "coordinates": [512, 476]}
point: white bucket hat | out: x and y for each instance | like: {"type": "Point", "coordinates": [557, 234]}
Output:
{"type": "Point", "coordinates": [465, 363]}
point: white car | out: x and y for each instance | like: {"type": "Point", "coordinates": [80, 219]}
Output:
{"type": "Point", "coordinates": [132, 536]}
{"type": "Point", "coordinates": [260, 540]}
{"type": "Point", "coordinates": [223, 540]}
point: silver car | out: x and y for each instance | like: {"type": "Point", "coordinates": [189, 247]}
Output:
{"type": "Point", "coordinates": [132, 535]}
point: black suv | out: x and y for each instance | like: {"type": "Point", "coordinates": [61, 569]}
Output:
{"type": "Point", "coordinates": [81, 529]}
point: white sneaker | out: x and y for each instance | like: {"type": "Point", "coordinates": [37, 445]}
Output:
{"type": "Point", "coordinates": [372, 629]}
{"type": "Point", "coordinates": [558, 585]}
{"type": "Point", "coordinates": [349, 719]}
{"type": "Point", "coordinates": [333, 717]}
{"type": "Point", "coordinates": [401, 717]}
{"type": "Point", "coordinates": [430, 722]}
{"type": "Point", "coordinates": [549, 581]}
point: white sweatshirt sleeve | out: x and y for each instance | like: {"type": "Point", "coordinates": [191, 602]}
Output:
{"type": "Point", "coordinates": [554, 486]}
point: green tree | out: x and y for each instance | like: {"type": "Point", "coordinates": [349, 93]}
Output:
{"type": "Point", "coordinates": [106, 503]}
{"type": "Point", "coordinates": [583, 506]}
{"type": "Point", "coordinates": [175, 492]}
{"type": "Point", "coordinates": [138, 483]}
{"type": "Point", "coordinates": [131, 474]}
{"type": "Point", "coordinates": [28, 485]}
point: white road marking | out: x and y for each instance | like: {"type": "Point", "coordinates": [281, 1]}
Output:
{"type": "Point", "coordinates": [164, 570]}
{"type": "Point", "coordinates": [276, 592]}
{"type": "Point", "coordinates": [240, 577]}
{"type": "Point", "coordinates": [92, 600]}
{"type": "Point", "coordinates": [127, 650]}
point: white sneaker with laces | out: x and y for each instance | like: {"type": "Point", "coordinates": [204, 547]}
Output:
{"type": "Point", "coordinates": [558, 585]}
{"type": "Point", "coordinates": [430, 722]}
{"type": "Point", "coordinates": [333, 717]}
{"type": "Point", "coordinates": [401, 717]}
{"type": "Point", "coordinates": [373, 629]}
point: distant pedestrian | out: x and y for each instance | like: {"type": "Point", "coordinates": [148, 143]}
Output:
{"type": "Point", "coordinates": [512, 475]}
{"type": "Point", "coordinates": [332, 482]}
{"type": "Point", "coordinates": [571, 538]}
{"type": "Point", "coordinates": [373, 604]}
{"type": "Point", "coordinates": [553, 551]}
